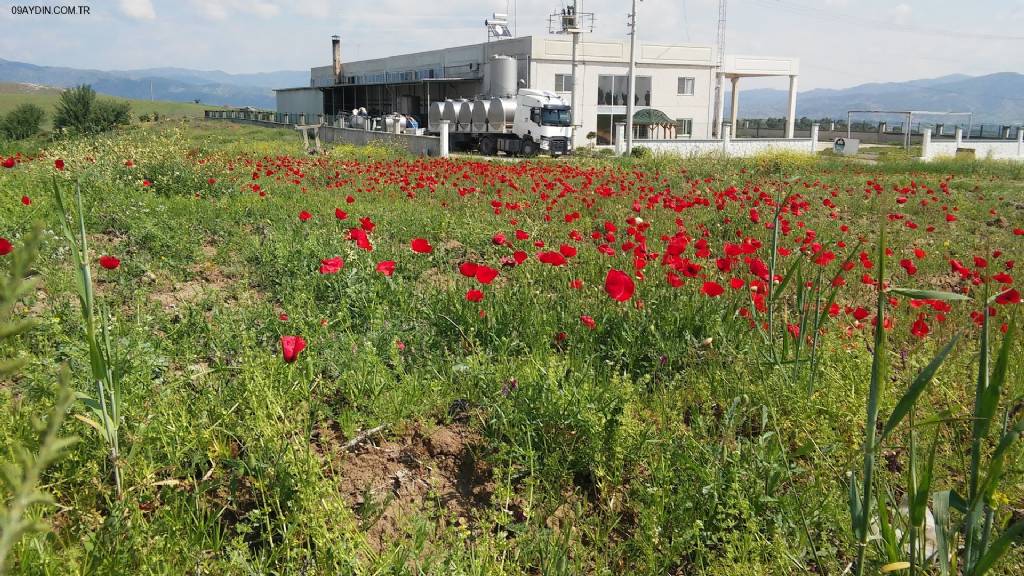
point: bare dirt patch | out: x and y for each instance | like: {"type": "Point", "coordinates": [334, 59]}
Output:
{"type": "Point", "coordinates": [388, 481]}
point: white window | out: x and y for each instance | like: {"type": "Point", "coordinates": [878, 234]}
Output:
{"type": "Point", "coordinates": [563, 82]}
{"type": "Point", "coordinates": [684, 127]}
{"type": "Point", "coordinates": [685, 86]}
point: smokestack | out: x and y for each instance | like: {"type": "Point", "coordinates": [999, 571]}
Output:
{"type": "Point", "coordinates": [336, 45]}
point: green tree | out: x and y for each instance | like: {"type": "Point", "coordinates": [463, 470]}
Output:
{"type": "Point", "coordinates": [22, 122]}
{"type": "Point", "coordinates": [79, 111]}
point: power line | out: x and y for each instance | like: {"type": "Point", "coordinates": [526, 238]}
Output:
{"type": "Point", "coordinates": [822, 14]}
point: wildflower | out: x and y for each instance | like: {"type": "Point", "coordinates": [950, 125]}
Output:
{"type": "Point", "coordinates": [421, 246]}
{"type": "Point", "coordinates": [5, 247]}
{"type": "Point", "coordinates": [331, 265]}
{"type": "Point", "coordinates": [712, 289]}
{"type": "Point", "coordinates": [618, 285]}
{"type": "Point", "coordinates": [304, 216]}
{"type": "Point", "coordinates": [386, 267]}
{"type": "Point", "coordinates": [291, 346]}
{"type": "Point", "coordinates": [588, 321]}
{"type": "Point", "coordinates": [58, 164]}
{"type": "Point", "coordinates": [109, 262]}
{"type": "Point", "coordinates": [474, 295]}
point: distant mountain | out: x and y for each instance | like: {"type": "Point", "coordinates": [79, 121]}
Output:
{"type": "Point", "coordinates": [993, 98]}
{"type": "Point", "coordinates": [175, 84]}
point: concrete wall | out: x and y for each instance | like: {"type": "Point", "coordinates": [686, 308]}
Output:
{"type": "Point", "coordinates": [308, 101]}
{"type": "Point", "coordinates": [992, 150]}
{"type": "Point", "coordinates": [418, 145]}
{"type": "Point", "coordinates": [737, 147]}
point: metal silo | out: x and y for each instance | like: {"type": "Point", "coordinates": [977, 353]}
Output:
{"type": "Point", "coordinates": [503, 76]}
{"type": "Point", "coordinates": [501, 114]}
{"type": "Point", "coordinates": [434, 114]}
{"type": "Point", "coordinates": [480, 108]}
{"type": "Point", "coordinates": [465, 117]}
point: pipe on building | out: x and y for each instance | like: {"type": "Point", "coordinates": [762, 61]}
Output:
{"type": "Point", "coordinates": [336, 46]}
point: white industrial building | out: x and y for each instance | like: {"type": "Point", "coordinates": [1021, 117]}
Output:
{"type": "Point", "coordinates": [676, 79]}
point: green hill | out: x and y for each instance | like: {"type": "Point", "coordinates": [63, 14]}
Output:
{"type": "Point", "coordinates": [12, 94]}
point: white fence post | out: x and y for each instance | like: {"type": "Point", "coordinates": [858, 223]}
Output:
{"type": "Point", "coordinates": [726, 138]}
{"type": "Point", "coordinates": [959, 136]}
{"type": "Point", "coordinates": [926, 143]}
{"type": "Point", "coordinates": [814, 137]}
{"type": "Point", "coordinates": [1020, 141]}
{"type": "Point", "coordinates": [444, 138]}
{"type": "Point", "coordinates": [620, 138]}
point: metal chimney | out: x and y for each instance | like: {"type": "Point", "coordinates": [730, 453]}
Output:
{"type": "Point", "coordinates": [336, 45]}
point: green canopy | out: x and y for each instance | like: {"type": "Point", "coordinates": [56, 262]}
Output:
{"type": "Point", "coordinates": [651, 117]}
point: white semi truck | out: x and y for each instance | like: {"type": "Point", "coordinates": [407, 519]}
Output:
{"type": "Point", "coordinates": [510, 119]}
{"type": "Point", "coordinates": [534, 122]}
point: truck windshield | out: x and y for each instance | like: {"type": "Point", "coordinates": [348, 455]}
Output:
{"type": "Point", "coordinates": [556, 117]}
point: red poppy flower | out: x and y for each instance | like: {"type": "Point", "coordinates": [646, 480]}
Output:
{"type": "Point", "coordinates": [367, 224]}
{"type": "Point", "coordinates": [211, 181]}
{"type": "Point", "coordinates": [618, 285]}
{"type": "Point", "coordinates": [350, 199]}
{"type": "Point", "coordinates": [712, 289]}
{"type": "Point", "coordinates": [474, 295]}
{"type": "Point", "coordinates": [522, 235]}
{"type": "Point", "coordinates": [520, 256]}
{"type": "Point", "coordinates": [26, 200]}
{"type": "Point", "coordinates": [421, 246]}
{"type": "Point", "coordinates": [576, 283]}
{"type": "Point", "coordinates": [291, 346]}
{"type": "Point", "coordinates": [920, 328]}
{"type": "Point", "coordinates": [499, 239]}
{"type": "Point", "coordinates": [552, 258]}
{"type": "Point", "coordinates": [567, 250]}
{"type": "Point", "coordinates": [674, 280]}
{"type": "Point", "coordinates": [485, 274]}
{"type": "Point", "coordinates": [58, 164]}
{"type": "Point", "coordinates": [9, 162]}
{"type": "Point", "coordinates": [304, 216]}
{"type": "Point", "coordinates": [360, 238]}
{"type": "Point", "coordinates": [468, 269]}
{"type": "Point", "coordinates": [340, 214]}
{"type": "Point", "coordinates": [1011, 296]}
{"type": "Point", "coordinates": [5, 247]}
{"type": "Point", "coordinates": [146, 183]}
{"type": "Point", "coordinates": [386, 267]}
{"type": "Point", "coordinates": [331, 265]}
{"type": "Point", "coordinates": [109, 262]}
{"type": "Point", "coordinates": [588, 321]}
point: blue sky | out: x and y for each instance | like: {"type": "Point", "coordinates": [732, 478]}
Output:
{"type": "Point", "coordinates": [839, 42]}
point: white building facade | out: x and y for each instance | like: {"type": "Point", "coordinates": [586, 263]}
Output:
{"type": "Point", "coordinates": [678, 80]}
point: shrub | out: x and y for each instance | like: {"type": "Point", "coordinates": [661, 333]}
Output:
{"type": "Point", "coordinates": [22, 122]}
{"type": "Point", "coordinates": [78, 111]}
{"type": "Point", "coordinates": [641, 152]}
{"type": "Point", "coordinates": [782, 161]}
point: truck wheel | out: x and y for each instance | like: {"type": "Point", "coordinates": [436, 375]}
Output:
{"type": "Point", "coordinates": [530, 148]}
{"type": "Point", "coordinates": [488, 146]}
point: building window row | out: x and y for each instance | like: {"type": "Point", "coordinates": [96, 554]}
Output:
{"type": "Point", "coordinates": [614, 91]}
{"type": "Point", "coordinates": [606, 129]}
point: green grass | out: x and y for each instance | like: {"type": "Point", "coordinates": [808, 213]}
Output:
{"type": "Point", "coordinates": [13, 95]}
{"type": "Point", "coordinates": [674, 438]}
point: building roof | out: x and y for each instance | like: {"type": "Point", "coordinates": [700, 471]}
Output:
{"type": "Point", "coordinates": [651, 117]}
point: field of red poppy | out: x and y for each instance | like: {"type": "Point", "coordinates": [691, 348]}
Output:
{"type": "Point", "coordinates": [367, 363]}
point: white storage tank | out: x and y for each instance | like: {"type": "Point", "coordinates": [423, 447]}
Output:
{"type": "Point", "coordinates": [434, 115]}
{"type": "Point", "coordinates": [465, 117]}
{"type": "Point", "coordinates": [501, 114]}
{"type": "Point", "coordinates": [503, 77]}
{"type": "Point", "coordinates": [451, 112]}
{"type": "Point", "coordinates": [480, 108]}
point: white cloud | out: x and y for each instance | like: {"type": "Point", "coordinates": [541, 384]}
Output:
{"type": "Point", "coordinates": [221, 9]}
{"type": "Point", "coordinates": [902, 11]}
{"type": "Point", "coordinates": [138, 9]}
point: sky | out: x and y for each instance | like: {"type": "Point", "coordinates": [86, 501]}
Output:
{"type": "Point", "coordinates": [840, 43]}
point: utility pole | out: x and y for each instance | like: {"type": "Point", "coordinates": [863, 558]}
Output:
{"type": "Point", "coordinates": [719, 86]}
{"type": "Point", "coordinates": [631, 80]}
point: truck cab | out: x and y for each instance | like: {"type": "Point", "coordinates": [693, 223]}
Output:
{"type": "Point", "coordinates": [545, 119]}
